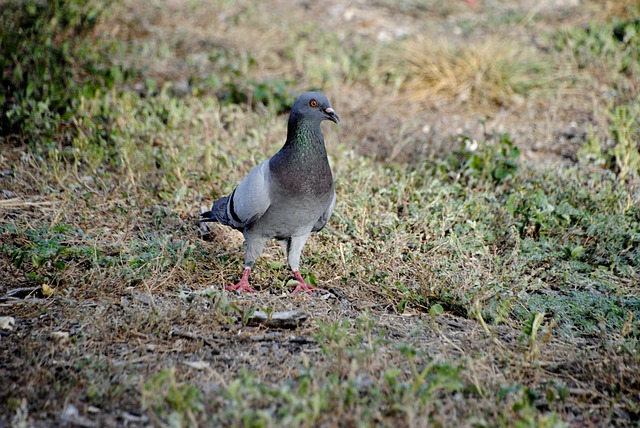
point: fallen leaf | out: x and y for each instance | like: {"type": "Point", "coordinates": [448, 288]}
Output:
{"type": "Point", "coordinates": [47, 290]}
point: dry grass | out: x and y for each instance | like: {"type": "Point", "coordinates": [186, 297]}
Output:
{"type": "Point", "coordinates": [620, 9]}
{"type": "Point", "coordinates": [486, 73]}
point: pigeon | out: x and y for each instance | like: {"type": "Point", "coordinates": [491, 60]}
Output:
{"type": "Point", "coordinates": [286, 197]}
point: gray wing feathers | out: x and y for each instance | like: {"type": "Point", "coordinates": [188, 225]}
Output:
{"type": "Point", "coordinates": [251, 199]}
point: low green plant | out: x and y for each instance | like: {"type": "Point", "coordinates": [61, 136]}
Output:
{"type": "Point", "coordinates": [46, 47]}
{"type": "Point", "coordinates": [273, 94]}
{"type": "Point", "coordinates": [494, 158]}
{"type": "Point", "coordinates": [626, 132]}
{"type": "Point", "coordinates": [43, 254]}
{"type": "Point", "coordinates": [590, 312]}
{"type": "Point", "coordinates": [324, 395]}
{"type": "Point", "coordinates": [593, 151]}
{"type": "Point", "coordinates": [520, 411]}
{"type": "Point", "coordinates": [616, 42]}
{"type": "Point", "coordinates": [623, 157]}
{"type": "Point", "coordinates": [175, 403]}
{"type": "Point", "coordinates": [531, 211]}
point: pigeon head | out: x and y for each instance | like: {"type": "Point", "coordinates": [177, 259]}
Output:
{"type": "Point", "coordinates": [314, 107]}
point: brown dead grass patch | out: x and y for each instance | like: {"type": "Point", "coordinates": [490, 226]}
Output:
{"type": "Point", "coordinates": [484, 73]}
{"type": "Point", "coordinates": [620, 8]}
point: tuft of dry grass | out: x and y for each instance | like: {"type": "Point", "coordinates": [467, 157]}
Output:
{"type": "Point", "coordinates": [483, 73]}
{"type": "Point", "coordinates": [620, 9]}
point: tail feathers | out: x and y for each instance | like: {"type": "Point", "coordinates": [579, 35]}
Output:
{"type": "Point", "coordinates": [212, 215]}
{"type": "Point", "coordinates": [208, 216]}
{"type": "Point", "coordinates": [217, 213]}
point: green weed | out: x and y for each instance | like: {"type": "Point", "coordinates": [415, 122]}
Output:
{"type": "Point", "coordinates": [522, 411]}
{"type": "Point", "coordinates": [623, 157]}
{"type": "Point", "coordinates": [172, 402]}
{"type": "Point", "coordinates": [52, 60]}
{"type": "Point", "coordinates": [496, 158]}
{"type": "Point", "coordinates": [43, 254]}
{"type": "Point", "coordinates": [615, 42]}
{"type": "Point", "coordinates": [626, 131]}
{"type": "Point", "coordinates": [355, 397]}
{"type": "Point", "coordinates": [466, 231]}
{"type": "Point", "coordinates": [275, 95]}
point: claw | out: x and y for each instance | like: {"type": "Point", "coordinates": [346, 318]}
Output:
{"type": "Point", "coordinates": [302, 285]}
{"type": "Point", "coordinates": [243, 284]}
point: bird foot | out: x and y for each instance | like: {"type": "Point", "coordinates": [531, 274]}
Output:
{"type": "Point", "coordinates": [302, 285]}
{"type": "Point", "coordinates": [240, 287]}
{"type": "Point", "coordinates": [243, 284]}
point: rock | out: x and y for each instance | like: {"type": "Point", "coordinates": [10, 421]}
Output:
{"type": "Point", "coordinates": [198, 365]}
{"type": "Point", "coordinates": [284, 319]}
{"type": "Point", "coordinates": [60, 335]}
{"type": "Point", "coordinates": [71, 415]}
{"type": "Point", "coordinates": [7, 323]}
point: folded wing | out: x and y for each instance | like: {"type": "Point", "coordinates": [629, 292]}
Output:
{"type": "Point", "coordinates": [247, 203]}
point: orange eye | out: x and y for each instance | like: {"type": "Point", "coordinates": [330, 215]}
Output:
{"type": "Point", "coordinates": [313, 103]}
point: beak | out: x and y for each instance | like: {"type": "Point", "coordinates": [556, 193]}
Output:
{"type": "Point", "coordinates": [331, 115]}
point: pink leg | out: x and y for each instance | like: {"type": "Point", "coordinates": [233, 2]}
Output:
{"type": "Point", "coordinates": [243, 284]}
{"type": "Point", "coordinates": [302, 286]}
